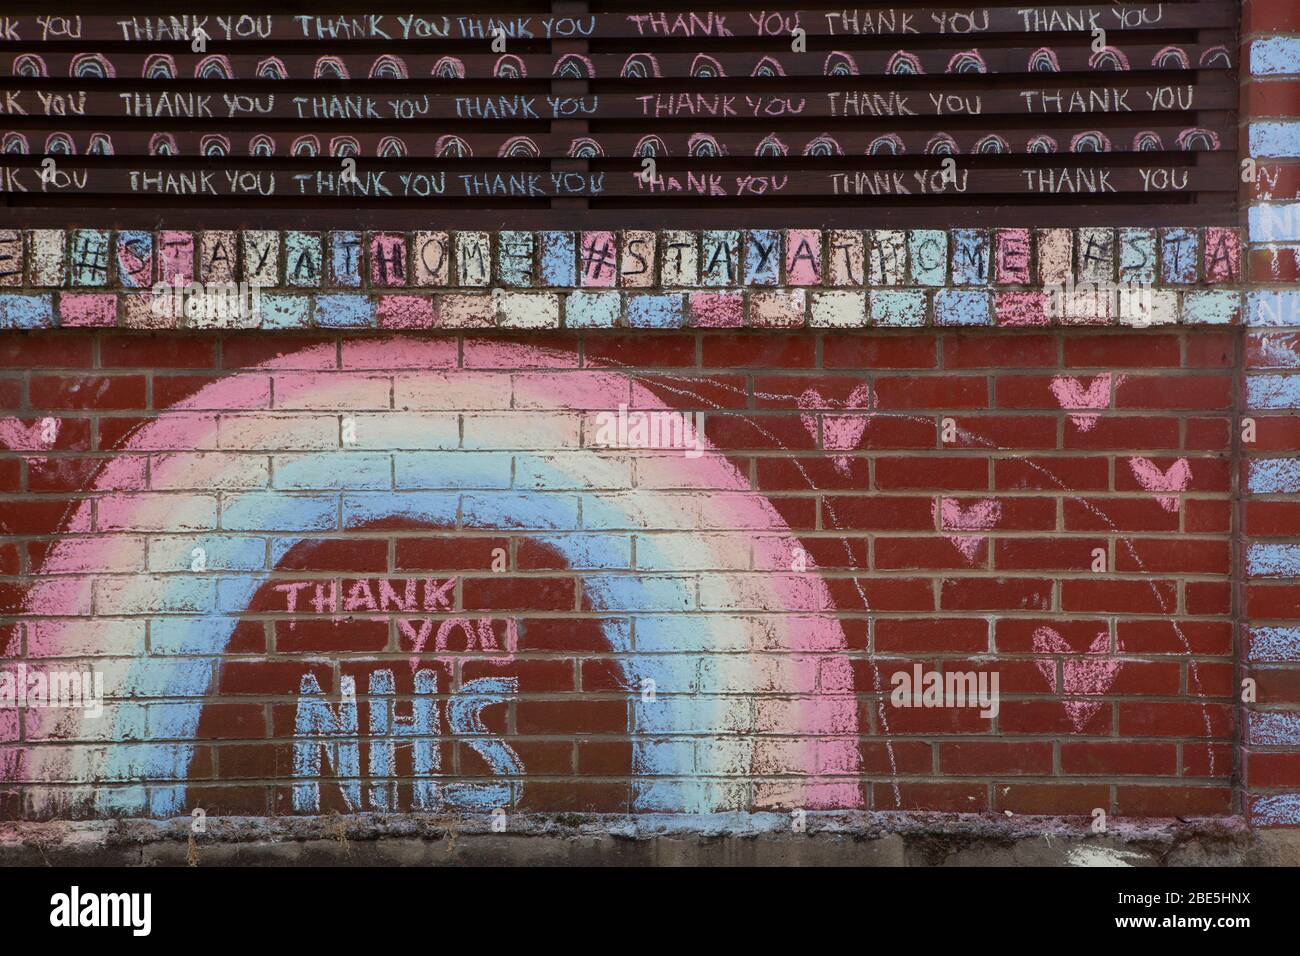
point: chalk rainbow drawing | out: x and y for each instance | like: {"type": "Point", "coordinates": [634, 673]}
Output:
{"type": "Point", "coordinates": [789, 709]}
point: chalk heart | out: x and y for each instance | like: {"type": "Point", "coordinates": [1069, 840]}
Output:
{"type": "Point", "coordinates": [1083, 677]}
{"type": "Point", "coordinates": [1070, 393]}
{"type": "Point", "coordinates": [14, 434]}
{"type": "Point", "coordinates": [979, 516]}
{"type": "Point", "coordinates": [839, 432]}
{"type": "Point", "coordinates": [1156, 481]}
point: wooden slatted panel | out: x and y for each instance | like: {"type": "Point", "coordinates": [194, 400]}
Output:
{"type": "Point", "coordinates": [1031, 106]}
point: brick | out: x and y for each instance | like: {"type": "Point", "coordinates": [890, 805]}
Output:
{"type": "Point", "coordinates": [994, 351]}
{"type": "Point", "coordinates": [83, 391]}
{"type": "Point", "coordinates": [724, 350]}
{"type": "Point", "coordinates": [994, 594]}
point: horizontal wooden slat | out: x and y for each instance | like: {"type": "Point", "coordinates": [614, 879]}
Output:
{"type": "Point", "coordinates": [810, 142]}
{"type": "Point", "coordinates": [850, 101]}
{"type": "Point", "coordinates": [469, 26]}
{"type": "Point", "coordinates": [702, 184]}
{"type": "Point", "coordinates": [769, 68]}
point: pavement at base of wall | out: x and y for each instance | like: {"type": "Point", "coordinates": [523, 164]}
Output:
{"type": "Point", "coordinates": [828, 839]}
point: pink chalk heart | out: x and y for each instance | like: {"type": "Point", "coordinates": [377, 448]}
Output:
{"type": "Point", "coordinates": [1083, 676]}
{"type": "Point", "coordinates": [839, 432]}
{"type": "Point", "coordinates": [1156, 481]}
{"type": "Point", "coordinates": [1070, 393]}
{"type": "Point", "coordinates": [19, 437]}
{"type": "Point", "coordinates": [979, 516]}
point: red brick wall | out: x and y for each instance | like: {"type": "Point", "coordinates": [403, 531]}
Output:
{"type": "Point", "coordinates": [1269, 639]}
{"type": "Point", "coordinates": [970, 551]}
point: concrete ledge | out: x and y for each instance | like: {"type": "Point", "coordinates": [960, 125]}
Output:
{"type": "Point", "coordinates": [830, 839]}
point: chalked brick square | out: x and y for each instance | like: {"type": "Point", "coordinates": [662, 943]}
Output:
{"type": "Point", "coordinates": [466, 310]}
{"type": "Point", "coordinates": [89, 257]}
{"type": "Point", "coordinates": [592, 310]}
{"type": "Point", "coordinates": [144, 310]}
{"type": "Point", "coordinates": [961, 307]}
{"type": "Point", "coordinates": [902, 307]}
{"type": "Point", "coordinates": [887, 262]}
{"type": "Point", "coordinates": [655, 311]}
{"type": "Point", "coordinates": [720, 255]}
{"type": "Point", "coordinates": [970, 257]}
{"type": "Point", "coordinates": [1021, 308]}
{"type": "Point", "coordinates": [344, 310]}
{"type": "Point", "coordinates": [244, 316]}
{"type": "Point", "coordinates": [1096, 252]}
{"type": "Point", "coordinates": [87, 309]}
{"type": "Point", "coordinates": [11, 257]}
{"type": "Point", "coordinates": [778, 308]}
{"type": "Point", "coordinates": [346, 255]}
{"type": "Point", "coordinates": [261, 249]}
{"type": "Point", "coordinates": [803, 256]}
{"type": "Point", "coordinates": [1149, 307]}
{"type": "Point", "coordinates": [927, 251]}
{"type": "Point", "coordinates": [1222, 256]}
{"type": "Point", "coordinates": [762, 257]}
{"type": "Point", "coordinates": [1212, 307]}
{"type": "Point", "coordinates": [406, 312]}
{"type": "Point", "coordinates": [176, 257]}
{"type": "Point", "coordinates": [558, 251]}
{"type": "Point", "coordinates": [1055, 256]}
{"type": "Point", "coordinates": [838, 310]}
{"type": "Point", "coordinates": [1012, 251]}
{"type": "Point", "coordinates": [598, 264]}
{"type": "Point", "coordinates": [846, 257]}
{"type": "Point", "coordinates": [473, 259]}
{"type": "Point", "coordinates": [218, 256]}
{"type": "Point", "coordinates": [528, 310]}
{"type": "Point", "coordinates": [1275, 138]}
{"type": "Point", "coordinates": [637, 257]}
{"type": "Point", "coordinates": [20, 311]}
{"type": "Point", "coordinates": [1275, 56]}
{"type": "Point", "coordinates": [1137, 256]}
{"type": "Point", "coordinates": [1179, 256]}
{"type": "Point", "coordinates": [389, 267]}
{"type": "Point", "coordinates": [303, 260]}
{"type": "Point", "coordinates": [281, 311]}
{"type": "Point", "coordinates": [516, 258]}
{"type": "Point", "coordinates": [47, 263]}
{"type": "Point", "coordinates": [717, 310]}
{"type": "Point", "coordinates": [430, 259]}
{"type": "Point", "coordinates": [1273, 307]}
{"type": "Point", "coordinates": [1086, 304]}
{"type": "Point", "coordinates": [679, 263]}
{"type": "Point", "coordinates": [1274, 222]}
